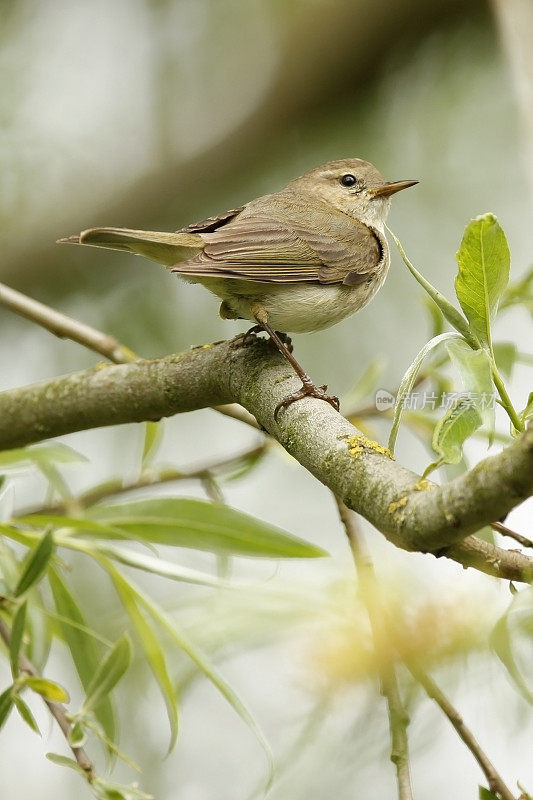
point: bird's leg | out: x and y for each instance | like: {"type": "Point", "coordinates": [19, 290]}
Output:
{"type": "Point", "coordinates": [308, 387]}
{"type": "Point", "coordinates": [286, 339]}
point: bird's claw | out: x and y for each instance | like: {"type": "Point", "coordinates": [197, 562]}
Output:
{"type": "Point", "coordinates": [307, 390]}
{"type": "Point", "coordinates": [243, 338]}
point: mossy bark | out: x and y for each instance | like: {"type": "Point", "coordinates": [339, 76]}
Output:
{"type": "Point", "coordinates": [412, 515]}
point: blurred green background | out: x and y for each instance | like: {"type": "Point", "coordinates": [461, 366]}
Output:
{"type": "Point", "coordinates": [155, 114]}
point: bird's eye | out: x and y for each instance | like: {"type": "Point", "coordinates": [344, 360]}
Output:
{"type": "Point", "coordinates": [348, 180]}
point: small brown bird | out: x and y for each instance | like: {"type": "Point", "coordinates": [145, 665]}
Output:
{"type": "Point", "coordinates": [296, 261]}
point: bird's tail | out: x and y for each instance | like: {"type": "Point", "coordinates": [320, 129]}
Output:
{"type": "Point", "coordinates": [161, 246]}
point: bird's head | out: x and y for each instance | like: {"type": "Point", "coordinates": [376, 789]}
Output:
{"type": "Point", "coordinates": [354, 187]}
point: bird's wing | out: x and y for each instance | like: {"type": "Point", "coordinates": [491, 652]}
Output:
{"type": "Point", "coordinates": [212, 223]}
{"type": "Point", "coordinates": [264, 249]}
{"type": "Point", "coordinates": [160, 246]}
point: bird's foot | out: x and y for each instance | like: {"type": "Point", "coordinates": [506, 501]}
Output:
{"type": "Point", "coordinates": [244, 338]}
{"type": "Point", "coordinates": [308, 390]}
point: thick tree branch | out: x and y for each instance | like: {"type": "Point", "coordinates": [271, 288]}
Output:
{"type": "Point", "coordinates": [412, 514]}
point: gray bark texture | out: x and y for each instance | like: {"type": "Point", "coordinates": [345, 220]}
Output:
{"type": "Point", "coordinates": [413, 514]}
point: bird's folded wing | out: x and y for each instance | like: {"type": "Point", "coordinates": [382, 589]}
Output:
{"type": "Point", "coordinates": [267, 250]}
{"type": "Point", "coordinates": [161, 246]}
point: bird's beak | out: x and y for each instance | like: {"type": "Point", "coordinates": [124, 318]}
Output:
{"type": "Point", "coordinates": [391, 187]}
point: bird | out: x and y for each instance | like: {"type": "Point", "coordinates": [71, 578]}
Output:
{"type": "Point", "coordinates": [295, 261]}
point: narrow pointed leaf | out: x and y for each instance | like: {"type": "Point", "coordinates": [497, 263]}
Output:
{"type": "Point", "coordinates": [63, 761]}
{"type": "Point", "coordinates": [454, 317]}
{"type": "Point", "coordinates": [205, 665]}
{"type": "Point", "coordinates": [108, 674]}
{"type": "Point", "coordinates": [51, 452]}
{"type": "Point", "coordinates": [408, 381]}
{"type": "Point", "coordinates": [25, 713]}
{"type": "Point", "coordinates": [484, 263]}
{"type": "Point", "coordinates": [452, 431]}
{"type": "Point", "coordinates": [17, 633]}
{"type": "Point", "coordinates": [501, 641]}
{"type": "Point", "coordinates": [152, 649]}
{"type": "Point", "coordinates": [159, 566]}
{"type": "Point", "coordinates": [185, 522]}
{"type": "Point", "coordinates": [6, 704]}
{"type": "Point", "coordinates": [153, 433]}
{"type": "Point", "coordinates": [35, 564]}
{"type": "Point", "coordinates": [85, 652]}
{"type": "Point", "coordinates": [506, 354]}
{"type": "Point", "coordinates": [48, 689]}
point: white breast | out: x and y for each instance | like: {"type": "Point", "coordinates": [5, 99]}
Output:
{"type": "Point", "coordinates": [301, 308]}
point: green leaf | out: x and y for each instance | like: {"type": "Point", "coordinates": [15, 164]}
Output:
{"type": "Point", "coordinates": [6, 704]}
{"type": "Point", "coordinates": [77, 736]}
{"type": "Point", "coordinates": [25, 713]}
{"type": "Point", "coordinates": [506, 355]}
{"type": "Point", "coordinates": [452, 431]}
{"type": "Point", "coordinates": [184, 522]}
{"type": "Point", "coordinates": [485, 794]}
{"type": "Point", "coordinates": [454, 317]}
{"type": "Point", "coordinates": [55, 480]}
{"type": "Point", "coordinates": [436, 316]}
{"type": "Point", "coordinates": [487, 534]}
{"type": "Point", "coordinates": [38, 631]}
{"type": "Point", "coordinates": [504, 633]}
{"type": "Point", "coordinates": [476, 374]}
{"type": "Point", "coordinates": [153, 433]}
{"type": "Point", "coordinates": [408, 381]}
{"type": "Point", "coordinates": [35, 564]}
{"type": "Point", "coordinates": [205, 665]}
{"type": "Point", "coordinates": [17, 633]}
{"type": "Point", "coordinates": [77, 524]}
{"type": "Point", "coordinates": [108, 674]}
{"type": "Point", "coordinates": [63, 761]}
{"type": "Point", "coordinates": [152, 649]}
{"type": "Point", "coordinates": [519, 292]}
{"type": "Point", "coordinates": [158, 566]}
{"type": "Point", "coordinates": [528, 410]}
{"type": "Point", "coordinates": [484, 263]}
{"type": "Point", "coordinates": [85, 652]}
{"type": "Point", "coordinates": [106, 790]}
{"type": "Point", "coordinates": [51, 452]}
{"type": "Point", "coordinates": [47, 689]}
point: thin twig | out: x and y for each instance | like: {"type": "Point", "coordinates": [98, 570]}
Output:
{"type": "Point", "coordinates": [56, 709]}
{"type": "Point", "coordinates": [494, 779]}
{"type": "Point", "coordinates": [367, 577]}
{"type": "Point", "coordinates": [66, 327]}
{"type": "Point", "coordinates": [204, 473]}
{"type": "Point", "coordinates": [398, 718]}
{"type": "Point", "coordinates": [505, 531]}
